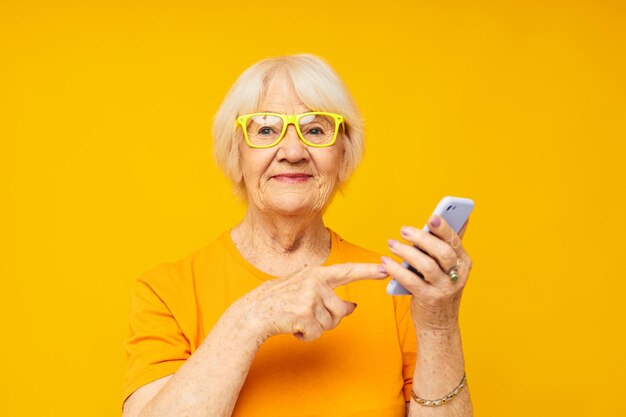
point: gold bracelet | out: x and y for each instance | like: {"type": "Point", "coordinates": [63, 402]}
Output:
{"type": "Point", "coordinates": [440, 401]}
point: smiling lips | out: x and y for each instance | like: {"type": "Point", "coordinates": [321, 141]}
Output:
{"type": "Point", "coordinates": [292, 178]}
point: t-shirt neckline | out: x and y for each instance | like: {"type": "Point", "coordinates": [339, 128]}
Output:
{"type": "Point", "coordinates": [264, 276]}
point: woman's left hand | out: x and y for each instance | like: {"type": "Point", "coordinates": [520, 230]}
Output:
{"type": "Point", "coordinates": [437, 297]}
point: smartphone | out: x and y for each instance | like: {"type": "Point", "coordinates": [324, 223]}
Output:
{"type": "Point", "coordinates": [455, 211]}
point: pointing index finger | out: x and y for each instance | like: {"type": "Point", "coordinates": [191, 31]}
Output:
{"type": "Point", "coordinates": [342, 274]}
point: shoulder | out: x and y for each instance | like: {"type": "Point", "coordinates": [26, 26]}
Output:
{"type": "Point", "coordinates": [352, 252]}
{"type": "Point", "coordinates": [176, 276]}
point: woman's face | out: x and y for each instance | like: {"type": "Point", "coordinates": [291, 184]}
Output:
{"type": "Point", "coordinates": [290, 178]}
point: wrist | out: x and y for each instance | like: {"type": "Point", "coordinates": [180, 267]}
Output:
{"type": "Point", "coordinates": [439, 330]}
{"type": "Point", "coordinates": [435, 320]}
{"type": "Point", "coordinates": [440, 314]}
{"type": "Point", "coordinates": [437, 324]}
{"type": "Point", "coordinates": [248, 326]}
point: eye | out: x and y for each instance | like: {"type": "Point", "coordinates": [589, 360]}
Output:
{"type": "Point", "coordinates": [315, 131]}
{"type": "Point", "coordinates": [266, 131]}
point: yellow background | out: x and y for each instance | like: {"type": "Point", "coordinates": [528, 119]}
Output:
{"type": "Point", "coordinates": [106, 170]}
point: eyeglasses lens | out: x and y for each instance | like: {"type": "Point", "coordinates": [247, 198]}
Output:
{"type": "Point", "coordinates": [318, 129]}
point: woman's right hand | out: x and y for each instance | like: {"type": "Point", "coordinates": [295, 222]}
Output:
{"type": "Point", "coordinates": [304, 303]}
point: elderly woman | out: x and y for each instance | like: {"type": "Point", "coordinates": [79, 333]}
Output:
{"type": "Point", "coordinates": [213, 334]}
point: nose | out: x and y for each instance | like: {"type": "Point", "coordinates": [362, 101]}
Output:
{"type": "Point", "coordinates": [291, 148]}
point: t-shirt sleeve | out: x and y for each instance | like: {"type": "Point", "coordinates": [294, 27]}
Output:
{"type": "Point", "coordinates": [408, 341]}
{"type": "Point", "coordinates": [156, 346]}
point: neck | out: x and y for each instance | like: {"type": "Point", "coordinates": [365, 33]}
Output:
{"type": "Point", "coordinates": [260, 234]}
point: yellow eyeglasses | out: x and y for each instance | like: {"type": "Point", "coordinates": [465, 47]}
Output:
{"type": "Point", "coordinates": [264, 130]}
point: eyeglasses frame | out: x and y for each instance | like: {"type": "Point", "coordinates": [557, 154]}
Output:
{"type": "Point", "coordinates": [292, 119]}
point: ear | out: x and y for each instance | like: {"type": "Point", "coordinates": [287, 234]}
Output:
{"type": "Point", "coordinates": [238, 164]}
{"type": "Point", "coordinates": [236, 174]}
{"type": "Point", "coordinates": [238, 181]}
{"type": "Point", "coordinates": [342, 174]}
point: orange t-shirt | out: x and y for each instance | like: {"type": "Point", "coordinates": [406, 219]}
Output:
{"type": "Point", "coordinates": [363, 367]}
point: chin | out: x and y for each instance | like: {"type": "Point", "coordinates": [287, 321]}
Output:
{"type": "Point", "coordinates": [292, 204]}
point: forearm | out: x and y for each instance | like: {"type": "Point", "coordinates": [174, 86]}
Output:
{"type": "Point", "coordinates": [439, 368]}
{"type": "Point", "coordinates": [209, 382]}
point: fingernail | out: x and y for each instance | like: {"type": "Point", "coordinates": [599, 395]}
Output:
{"type": "Point", "coordinates": [405, 230]}
{"type": "Point", "coordinates": [392, 242]}
{"type": "Point", "coordinates": [434, 221]}
{"type": "Point", "coordinates": [382, 269]}
{"type": "Point", "coordinates": [355, 305]}
{"type": "Point", "coordinates": [385, 260]}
